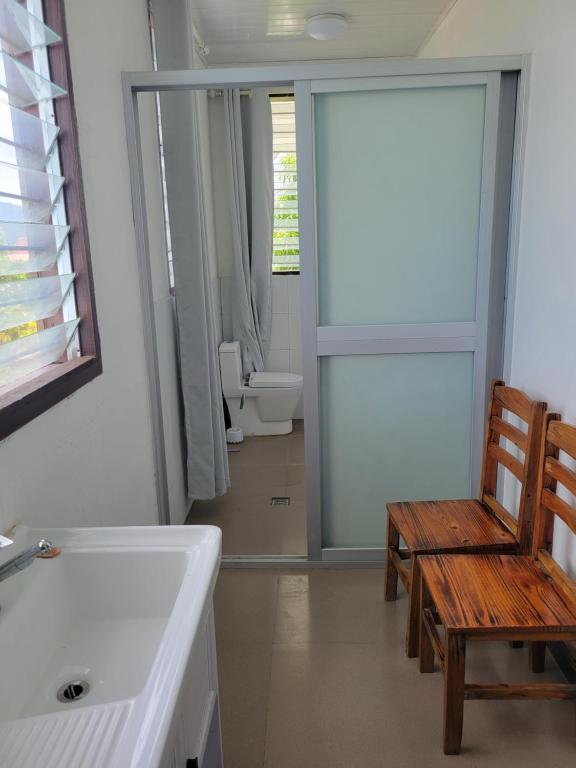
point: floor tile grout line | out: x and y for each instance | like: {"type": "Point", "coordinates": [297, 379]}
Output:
{"type": "Point", "coordinates": [272, 644]}
{"type": "Point", "coordinates": [267, 708]}
{"type": "Point", "coordinates": [276, 606]}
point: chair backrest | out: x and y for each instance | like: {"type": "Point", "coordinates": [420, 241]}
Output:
{"type": "Point", "coordinates": [532, 412]}
{"type": "Point", "coordinates": [553, 471]}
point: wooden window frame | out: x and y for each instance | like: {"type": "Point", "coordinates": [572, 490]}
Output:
{"type": "Point", "coordinates": [51, 384]}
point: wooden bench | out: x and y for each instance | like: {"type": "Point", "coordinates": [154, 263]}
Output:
{"type": "Point", "coordinates": [501, 597]}
{"type": "Point", "coordinates": [469, 525]}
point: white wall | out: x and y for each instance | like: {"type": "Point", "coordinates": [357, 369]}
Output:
{"type": "Point", "coordinates": [88, 460]}
{"type": "Point", "coordinates": [543, 342]}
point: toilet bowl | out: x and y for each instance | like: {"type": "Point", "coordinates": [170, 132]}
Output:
{"type": "Point", "coordinates": [262, 404]}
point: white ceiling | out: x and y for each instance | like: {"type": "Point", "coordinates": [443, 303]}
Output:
{"type": "Point", "coordinates": [246, 31]}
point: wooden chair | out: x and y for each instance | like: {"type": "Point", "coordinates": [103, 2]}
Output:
{"type": "Point", "coordinates": [503, 597]}
{"type": "Point", "coordinates": [469, 525]}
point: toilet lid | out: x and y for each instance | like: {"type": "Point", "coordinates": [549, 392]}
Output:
{"type": "Point", "coordinates": [270, 379]}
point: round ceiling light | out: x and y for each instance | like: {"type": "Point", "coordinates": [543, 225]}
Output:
{"type": "Point", "coordinates": [326, 26]}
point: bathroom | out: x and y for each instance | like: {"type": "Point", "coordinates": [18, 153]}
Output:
{"type": "Point", "coordinates": [263, 512]}
{"type": "Point", "coordinates": [198, 601]}
{"type": "Point", "coordinates": [254, 311]}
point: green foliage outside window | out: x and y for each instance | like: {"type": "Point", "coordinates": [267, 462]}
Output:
{"type": "Point", "coordinates": [286, 249]}
{"type": "Point", "coordinates": [26, 329]}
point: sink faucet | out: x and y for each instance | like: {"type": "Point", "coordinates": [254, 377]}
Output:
{"type": "Point", "coordinates": [24, 559]}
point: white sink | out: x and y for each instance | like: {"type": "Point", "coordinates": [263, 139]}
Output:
{"type": "Point", "coordinates": [119, 610]}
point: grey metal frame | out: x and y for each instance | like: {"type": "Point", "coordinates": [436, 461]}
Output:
{"type": "Point", "coordinates": [386, 339]}
{"type": "Point", "coordinates": [317, 341]}
{"type": "Point", "coordinates": [514, 219]}
{"type": "Point", "coordinates": [146, 293]}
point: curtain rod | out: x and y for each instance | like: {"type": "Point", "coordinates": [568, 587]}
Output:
{"type": "Point", "coordinates": [213, 93]}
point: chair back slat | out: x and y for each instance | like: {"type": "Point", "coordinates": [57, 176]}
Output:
{"type": "Point", "coordinates": [559, 507]}
{"type": "Point", "coordinates": [563, 436]}
{"type": "Point", "coordinates": [510, 432]}
{"type": "Point", "coordinates": [525, 470]}
{"type": "Point", "coordinates": [556, 437]}
{"type": "Point", "coordinates": [502, 456]}
{"type": "Point", "coordinates": [513, 400]}
{"type": "Point", "coordinates": [561, 473]}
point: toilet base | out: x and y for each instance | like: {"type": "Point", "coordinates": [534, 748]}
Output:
{"type": "Point", "coordinates": [269, 428]}
{"type": "Point", "coordinates": [248, 419]}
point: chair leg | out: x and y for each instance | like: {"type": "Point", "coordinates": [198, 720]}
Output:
{"type": "Point", "coordinates": [426, 647]}
{"type": "Point", "coordinates": [537, 653]}
{"type": "Point", "coordinates": [454, 692]}
{"type": "Point", "coordinates": [391, 572]}
{"type": "Point", "coordinates": [414, 610]}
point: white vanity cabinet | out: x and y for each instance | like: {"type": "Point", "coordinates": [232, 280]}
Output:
{"type": "Point", "coordinates": [194, 740]}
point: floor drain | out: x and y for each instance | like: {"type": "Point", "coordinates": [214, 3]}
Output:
{"type": "Point", "coordinates": [280, 501]}
{"type": "Point", "coordinates": [73, 691]}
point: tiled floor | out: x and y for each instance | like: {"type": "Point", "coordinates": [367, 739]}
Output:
{"type": "Point", "coordinates": [263, 467]}
{"type": "Point", "coordinates": [313, 675]}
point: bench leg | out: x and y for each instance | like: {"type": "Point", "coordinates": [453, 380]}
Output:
{"type": "Point", "coordinates": [537, 653]}
{"type": "Point", "coordinates": [426, 647]}
{"type": "Point", "coordinates": [391, 572]}
{"type": "Point", "coordinates": [414, 610]}
{"type": "Point", "coordinates": [454, 692]}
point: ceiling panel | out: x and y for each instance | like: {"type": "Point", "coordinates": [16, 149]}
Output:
{"type": "Point", "coordinates": [245, 31]}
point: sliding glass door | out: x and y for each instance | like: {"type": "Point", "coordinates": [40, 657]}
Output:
{"type": "Point", "coordinates": [403, 288]}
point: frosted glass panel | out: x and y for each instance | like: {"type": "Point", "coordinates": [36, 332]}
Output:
{"type": "Point", "coordinates": [21, 31]}
{"type": "Point", "coordinates": [22, 86]}
{"type": "Point", "coordinates": [30, 247]}
{"type": "Point", "coordinates": [27, 195]}
{"type": "Point", "coordinates": [398, 178]}
{"type": "Point", "coordinates": [24, 139]}
{"type": "Point", "coordinates": [24, 356]}
{"type": "Point", "coordinates": [393, 428]}
{"type": "Point", "coordinates": [22, 301]}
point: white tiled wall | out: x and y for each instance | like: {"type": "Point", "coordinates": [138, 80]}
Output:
{"type": "Point", "coordinates": [286, 344]}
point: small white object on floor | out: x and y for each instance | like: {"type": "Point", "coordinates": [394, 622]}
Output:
{"type": "Point", "coordinates": [234, 435]}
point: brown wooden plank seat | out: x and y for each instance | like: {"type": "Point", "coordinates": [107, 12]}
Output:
{"type": "Point", "coordinates": [495, 597]}
{"type": "Point", "coordinates": [469, 525]}
{"type": "Point", "coordinates": [452, 525]}
{"type": "Point", "coordinates": [481, 593]}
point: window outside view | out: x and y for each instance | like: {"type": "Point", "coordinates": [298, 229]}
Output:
{"type": "Point", "coordinates": [38, 317]}
{"type": "Point", "coordinates": [286, 249]}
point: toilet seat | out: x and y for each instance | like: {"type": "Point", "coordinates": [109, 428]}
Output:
{"type": "Point", "coordinates": [272, 380]}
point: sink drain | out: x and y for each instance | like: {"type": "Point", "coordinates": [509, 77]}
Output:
{"type": "Point", "coordinates": [74, 690]}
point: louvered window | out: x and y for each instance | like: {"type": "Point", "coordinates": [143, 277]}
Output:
{"type": "Point", "coordinates": [286, 248]}
{"type": "Point", "coordinates": [39, 317]}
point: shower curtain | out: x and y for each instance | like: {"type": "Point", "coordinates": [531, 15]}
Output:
{"type": "Point", "coordinates": [207, 457]}
{"type": "Point", "coordinates": [248, 127]}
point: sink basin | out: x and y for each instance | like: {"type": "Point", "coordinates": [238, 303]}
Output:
{"type": "Point", "coordinates": [104, 628]}
{"type": "Point", "coordinates": [88, 615]}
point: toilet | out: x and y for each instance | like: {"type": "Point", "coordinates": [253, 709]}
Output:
{"type": "Point", "coordinates": [265, 403]}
